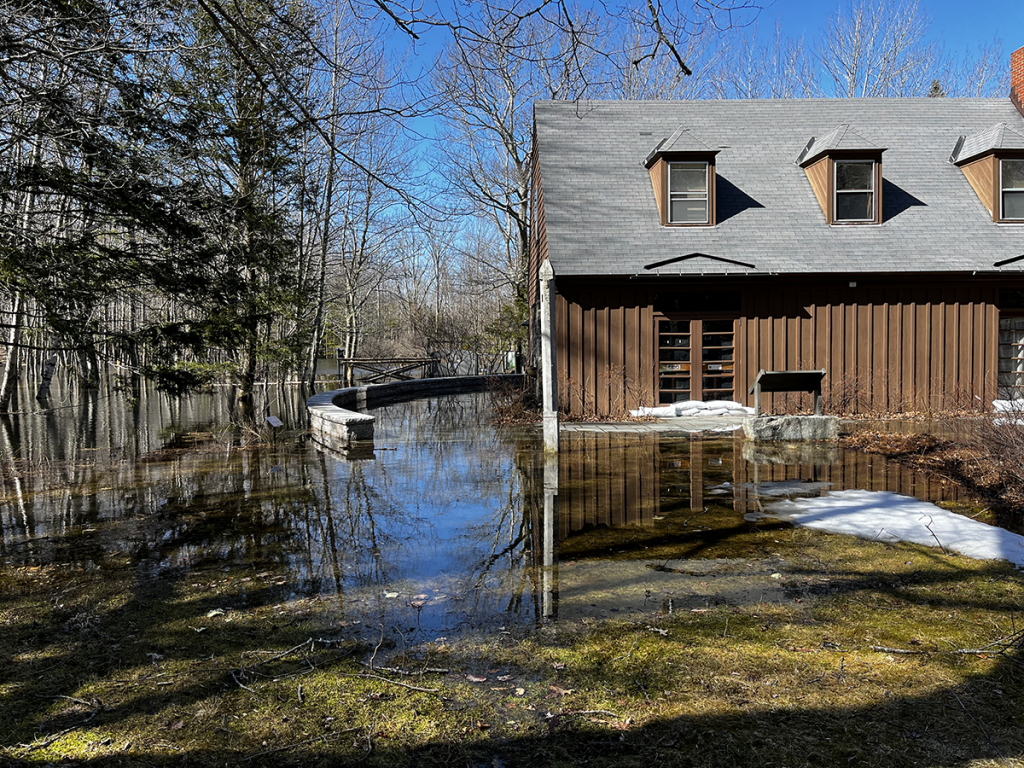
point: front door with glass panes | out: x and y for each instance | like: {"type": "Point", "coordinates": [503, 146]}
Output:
{"type": "Point", "coordinates": [695, 360]}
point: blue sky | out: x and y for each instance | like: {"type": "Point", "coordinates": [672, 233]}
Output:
{"type": "Point", "coordinates": [957, 24]}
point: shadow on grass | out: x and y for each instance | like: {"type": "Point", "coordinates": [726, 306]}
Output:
{"type": "Point", "coordinates": [104, 676]}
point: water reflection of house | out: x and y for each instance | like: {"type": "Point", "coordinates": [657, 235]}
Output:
{"type": "Point", "coordinates": [609, 480]}
{"type": "Point", "coordinates": [761, 467]}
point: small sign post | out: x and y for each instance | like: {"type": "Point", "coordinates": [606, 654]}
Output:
{"type": "Point", "coordinates": [787, 381]}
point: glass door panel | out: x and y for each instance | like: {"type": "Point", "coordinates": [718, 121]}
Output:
{"type": "Point", "coordinates": [673, 361]}
{"type": "Point", "coordinates": [1011, 358]}
{"type": "Point", "coordinates": [716, 360]}
{"type": "Point", "coordinates": [695, 360]}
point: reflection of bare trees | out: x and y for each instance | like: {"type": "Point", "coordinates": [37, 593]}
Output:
{"type": "Point", "coordinates": [440, 514]}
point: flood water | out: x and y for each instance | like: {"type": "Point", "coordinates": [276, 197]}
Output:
{"type": "Point", "coordinates": [447, 525]}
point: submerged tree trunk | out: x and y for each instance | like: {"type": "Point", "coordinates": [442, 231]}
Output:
{"type": "Point", "coordinates": [43, 393]}
{"type": "Point", "coordinates": [9, 375]}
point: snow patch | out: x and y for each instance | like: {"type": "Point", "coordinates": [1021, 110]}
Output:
{"type": "Point", "coordinates": [1009, 411]}
{"type": "Point", "coordinates": [884, 516]}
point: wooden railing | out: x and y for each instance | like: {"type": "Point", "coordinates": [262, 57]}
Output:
{"type": "Point", "coordinates": [382, 368]}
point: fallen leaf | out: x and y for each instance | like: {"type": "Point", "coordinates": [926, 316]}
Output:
{"type": "Point", "coordinates": [520, 691]}
{"type": "Point", "coordinates": [476, 679]}
{"type": "Point", "coordinates": [559, 691]}
{"type": "Point", "coordinates": [558, 665]}
{"type": "Point", "coordinates": [215, 612]}
{"type": "Point", "coordinates": [504, 678]}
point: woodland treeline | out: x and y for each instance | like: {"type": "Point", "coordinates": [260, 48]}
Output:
{"type": "Point", "coordinates": [200, 190]}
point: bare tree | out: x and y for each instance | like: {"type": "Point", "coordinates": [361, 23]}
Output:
{"type": "Point", "coordinates": [776, 68]}
{"type": "Point", "coordinates": [877, 48]}
{"type": "Point", "coordinates": [975, 74]}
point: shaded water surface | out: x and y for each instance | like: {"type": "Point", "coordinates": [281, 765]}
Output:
{"type": "Point", "coordinates": [447, 525]}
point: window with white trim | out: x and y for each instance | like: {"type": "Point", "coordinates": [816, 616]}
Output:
{"type": "Point", "coordinates": [688, 192]}
{"type": "Point", "coordinates": [854, 194]}
{"type": "Point", "coordinates": [1011, 190]}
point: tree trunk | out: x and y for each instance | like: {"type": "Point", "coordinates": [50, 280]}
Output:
{"type": "Point", "coordinates": [43, 394]}
{"type": "Point", "coordinates": [9, 376]}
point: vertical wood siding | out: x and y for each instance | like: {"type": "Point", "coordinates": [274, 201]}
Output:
{"type": "Point", "coordinates": [605, 352]}
{"type": "Point", "coordinates": [886, 346]}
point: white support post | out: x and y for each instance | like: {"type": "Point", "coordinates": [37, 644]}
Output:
{"type": "Point", "coordinates": [549, 569]}
{"type": "Point", "coordinates": [549, 373]}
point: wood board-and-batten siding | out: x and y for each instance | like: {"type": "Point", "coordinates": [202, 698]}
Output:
{"type": "Point", "coordinates": [887, 345]}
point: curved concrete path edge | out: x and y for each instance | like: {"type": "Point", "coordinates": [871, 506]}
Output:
{"type": "Point", "coordinates": [335, 425]}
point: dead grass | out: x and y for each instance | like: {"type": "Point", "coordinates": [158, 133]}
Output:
{"type": "Point", "coordinates": [863, 665]}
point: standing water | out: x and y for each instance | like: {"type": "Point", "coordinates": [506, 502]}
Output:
{"type": "Point", "coordinates": [443, 528]}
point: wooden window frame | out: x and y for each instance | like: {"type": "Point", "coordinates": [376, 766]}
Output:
{"type": "Point", "coordinates": [821, 174]}
{"type": "Point", "coordinates": [985, 175]}
{"type": "Point", "coordinates": [1004, 314]}
{"type": "Point", "coordinates": [836, 192]}
{"type": "Point", "coordinates": [679, 196]}
{"type": "Point", "coordinates": [696, 349]}
{"type": "Point", "coordinates": [659, 171]}
{"type": "Point", "coordinates": [1002, 190]}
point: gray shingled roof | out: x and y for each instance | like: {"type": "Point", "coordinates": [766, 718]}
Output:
{"type": "Point", "coordinates": [840, 137]}
{"type": "Point", "coordinates": [601, 216]}
{"type": "Point", "coordinates": [680, 141]}
{"type": "Point", "coordinates": [999, 136]}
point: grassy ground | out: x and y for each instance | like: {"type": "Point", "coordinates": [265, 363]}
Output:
{"type": "Point", "coordinates": [881, 655]}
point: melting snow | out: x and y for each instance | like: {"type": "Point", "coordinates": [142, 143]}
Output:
{"type": "Point", "coordinates": [884, 516]}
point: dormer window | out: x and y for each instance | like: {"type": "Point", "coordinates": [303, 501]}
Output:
{"type": "Point", "coordinates": [993, 163]}
{"type": "Point", "coordinates": [1011, 188]}
{"type": "Point", "coordinates": [682, 169]}
{"type": "Point", "coordinates": [845, 172]}
{"type": "Point", "coordinates": [854, 190]}
{"type": "Point", "coordinates": [688, 192]}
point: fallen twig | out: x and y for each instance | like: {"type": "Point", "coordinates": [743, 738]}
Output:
{"type": "Point", "coordinates": [407, 672]}
{"type": "Point", "coordinates": [1002, 758]}
{"type": "Point", "coordinates": [369, 676]}
{"type": "Point", "coordinates": [310, 642]}
{"type": "Point", "coordinates": [240, 683]}
{"type": "Point", "coordinates": [332, 735]}
{"type": "Point", "coordinates": [887, 649]}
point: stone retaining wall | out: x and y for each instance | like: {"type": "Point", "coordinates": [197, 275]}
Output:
{"type": "Point", "coordinates": [337, 426]}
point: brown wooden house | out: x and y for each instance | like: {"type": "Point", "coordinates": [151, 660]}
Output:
{"type": "Point", "coordinates": [696, 242]}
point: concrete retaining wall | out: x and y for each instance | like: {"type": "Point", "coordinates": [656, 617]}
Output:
{"type": "Point", "coordinates": [337, 426]}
